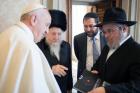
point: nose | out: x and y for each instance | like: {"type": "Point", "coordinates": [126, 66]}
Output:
{"type": "Point", "coordinates": [88, 29]}
{"type": "Point", "coordinates": [106, 34]}
{"type": "Point", "coordinates": [57, 37]}
{"type": "Point", "coordinates": [46, 31]}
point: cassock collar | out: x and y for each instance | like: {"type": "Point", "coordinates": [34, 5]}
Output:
{"type": "Point", "coordinates": [26, 29]}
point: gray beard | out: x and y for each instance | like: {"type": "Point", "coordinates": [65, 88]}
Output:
{"type": "Point", "coordinates": [113, 46]}
{"type": "Point", "coordinates": [55, 49]}
{"type": "Point", "coordinates": [117, 44]}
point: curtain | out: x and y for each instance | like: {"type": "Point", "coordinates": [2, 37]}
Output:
{"type": "Point", "coordinates": [134, 15]}
{"type": "Point", "coordinates": [137, 17]}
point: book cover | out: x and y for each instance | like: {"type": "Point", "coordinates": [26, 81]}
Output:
{"type": "Point", "coordinates": [87, 82]}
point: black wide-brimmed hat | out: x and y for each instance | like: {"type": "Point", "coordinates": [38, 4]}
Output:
{"type": "Point", "coordinates": [115, 15]}
{"type": "Point", "coordinates": [58, 19]}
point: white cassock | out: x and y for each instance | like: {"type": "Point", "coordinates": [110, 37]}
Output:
{"type": "Point", "coordinates": [23, 67]}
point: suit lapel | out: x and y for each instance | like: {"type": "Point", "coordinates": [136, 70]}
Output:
{"type": "Point", "coordinates": [121, 49]}
{"type": "Point", "coordinates": [84, 47]}
{"type": "Point", "coordinates": [102, 40]}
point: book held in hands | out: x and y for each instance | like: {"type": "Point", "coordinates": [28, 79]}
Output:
{"type": "Point", "coordinates": [87, 82]}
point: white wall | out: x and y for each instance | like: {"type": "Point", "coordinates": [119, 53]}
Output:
{"type": "Point", "coordinates": [10, 11]}
{"type": "Point", "coordinates": [60, 5]}
{"type": "Point", "coordinates": [132, 8]}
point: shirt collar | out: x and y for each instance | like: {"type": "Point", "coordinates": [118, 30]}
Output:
{"type": "Point", "coordinates": [97, 36]}
{"type": "Point", "coordinates": [125, 39]}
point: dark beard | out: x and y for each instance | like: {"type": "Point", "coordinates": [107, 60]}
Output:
{"type": "Point", "coordinates": [93, 34]}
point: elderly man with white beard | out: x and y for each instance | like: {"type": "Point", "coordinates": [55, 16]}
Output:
{"type": "Point", "coordinates": [58, 51]}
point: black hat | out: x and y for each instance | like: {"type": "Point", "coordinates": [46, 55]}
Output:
{"type": "Point", "coordinates": [115, 15]}
{"type": "Point", "coordinates": [58, 19]}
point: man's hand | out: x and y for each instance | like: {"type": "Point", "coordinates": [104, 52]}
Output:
{"type": "Point", "coordinates": [59, 70]}
{"type": "Point", "coordinates": [94, 71]}
{"type": "Point", "coordinates": [98, 90]}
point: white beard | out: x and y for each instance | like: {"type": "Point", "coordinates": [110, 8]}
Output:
{"type": "Point", "coordinates": [55, 49]}
{"type": "Point", "coordinates": [115, 45]}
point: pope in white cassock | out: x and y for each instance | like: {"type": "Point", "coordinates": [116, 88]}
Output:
{"type": "Point", "coordinates": [23, 67]}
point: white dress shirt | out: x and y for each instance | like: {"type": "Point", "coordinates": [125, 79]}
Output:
{"type": "Point", "coordinates": [89, 60]}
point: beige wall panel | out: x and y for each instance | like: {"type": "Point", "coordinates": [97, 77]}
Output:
{"type": "Point", "coordinates": [10, 11]}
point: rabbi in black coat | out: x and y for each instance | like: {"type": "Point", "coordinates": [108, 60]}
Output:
{"type": "Point", "coordinates": [58, 51]}
{"type": "Point", "coordinates": [119, 62]}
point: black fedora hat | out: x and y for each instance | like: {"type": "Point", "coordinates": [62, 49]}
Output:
{"type": "Point", "coordinates": [115, 15]}
{"type": "Point", "coordinates": [58, 19]}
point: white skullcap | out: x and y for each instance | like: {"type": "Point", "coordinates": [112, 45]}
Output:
{"type": "Point", "coordinates": [32, 7]}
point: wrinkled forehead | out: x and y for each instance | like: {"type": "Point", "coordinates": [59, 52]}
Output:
{"type": "Point", "coordinates": [55, 30]}
{"type": "Point", "coordinates": [111, 27]}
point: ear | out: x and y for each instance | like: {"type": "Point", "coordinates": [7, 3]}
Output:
{"type": "Point", "coordinates": [33, 20]}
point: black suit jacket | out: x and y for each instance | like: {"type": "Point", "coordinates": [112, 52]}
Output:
{"type": "Point", "coordinates": [65, 82]}
{"type": "Point", "coordinates": [80, 48]}
{"type": "Point", "coordinates": [121, 69]}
